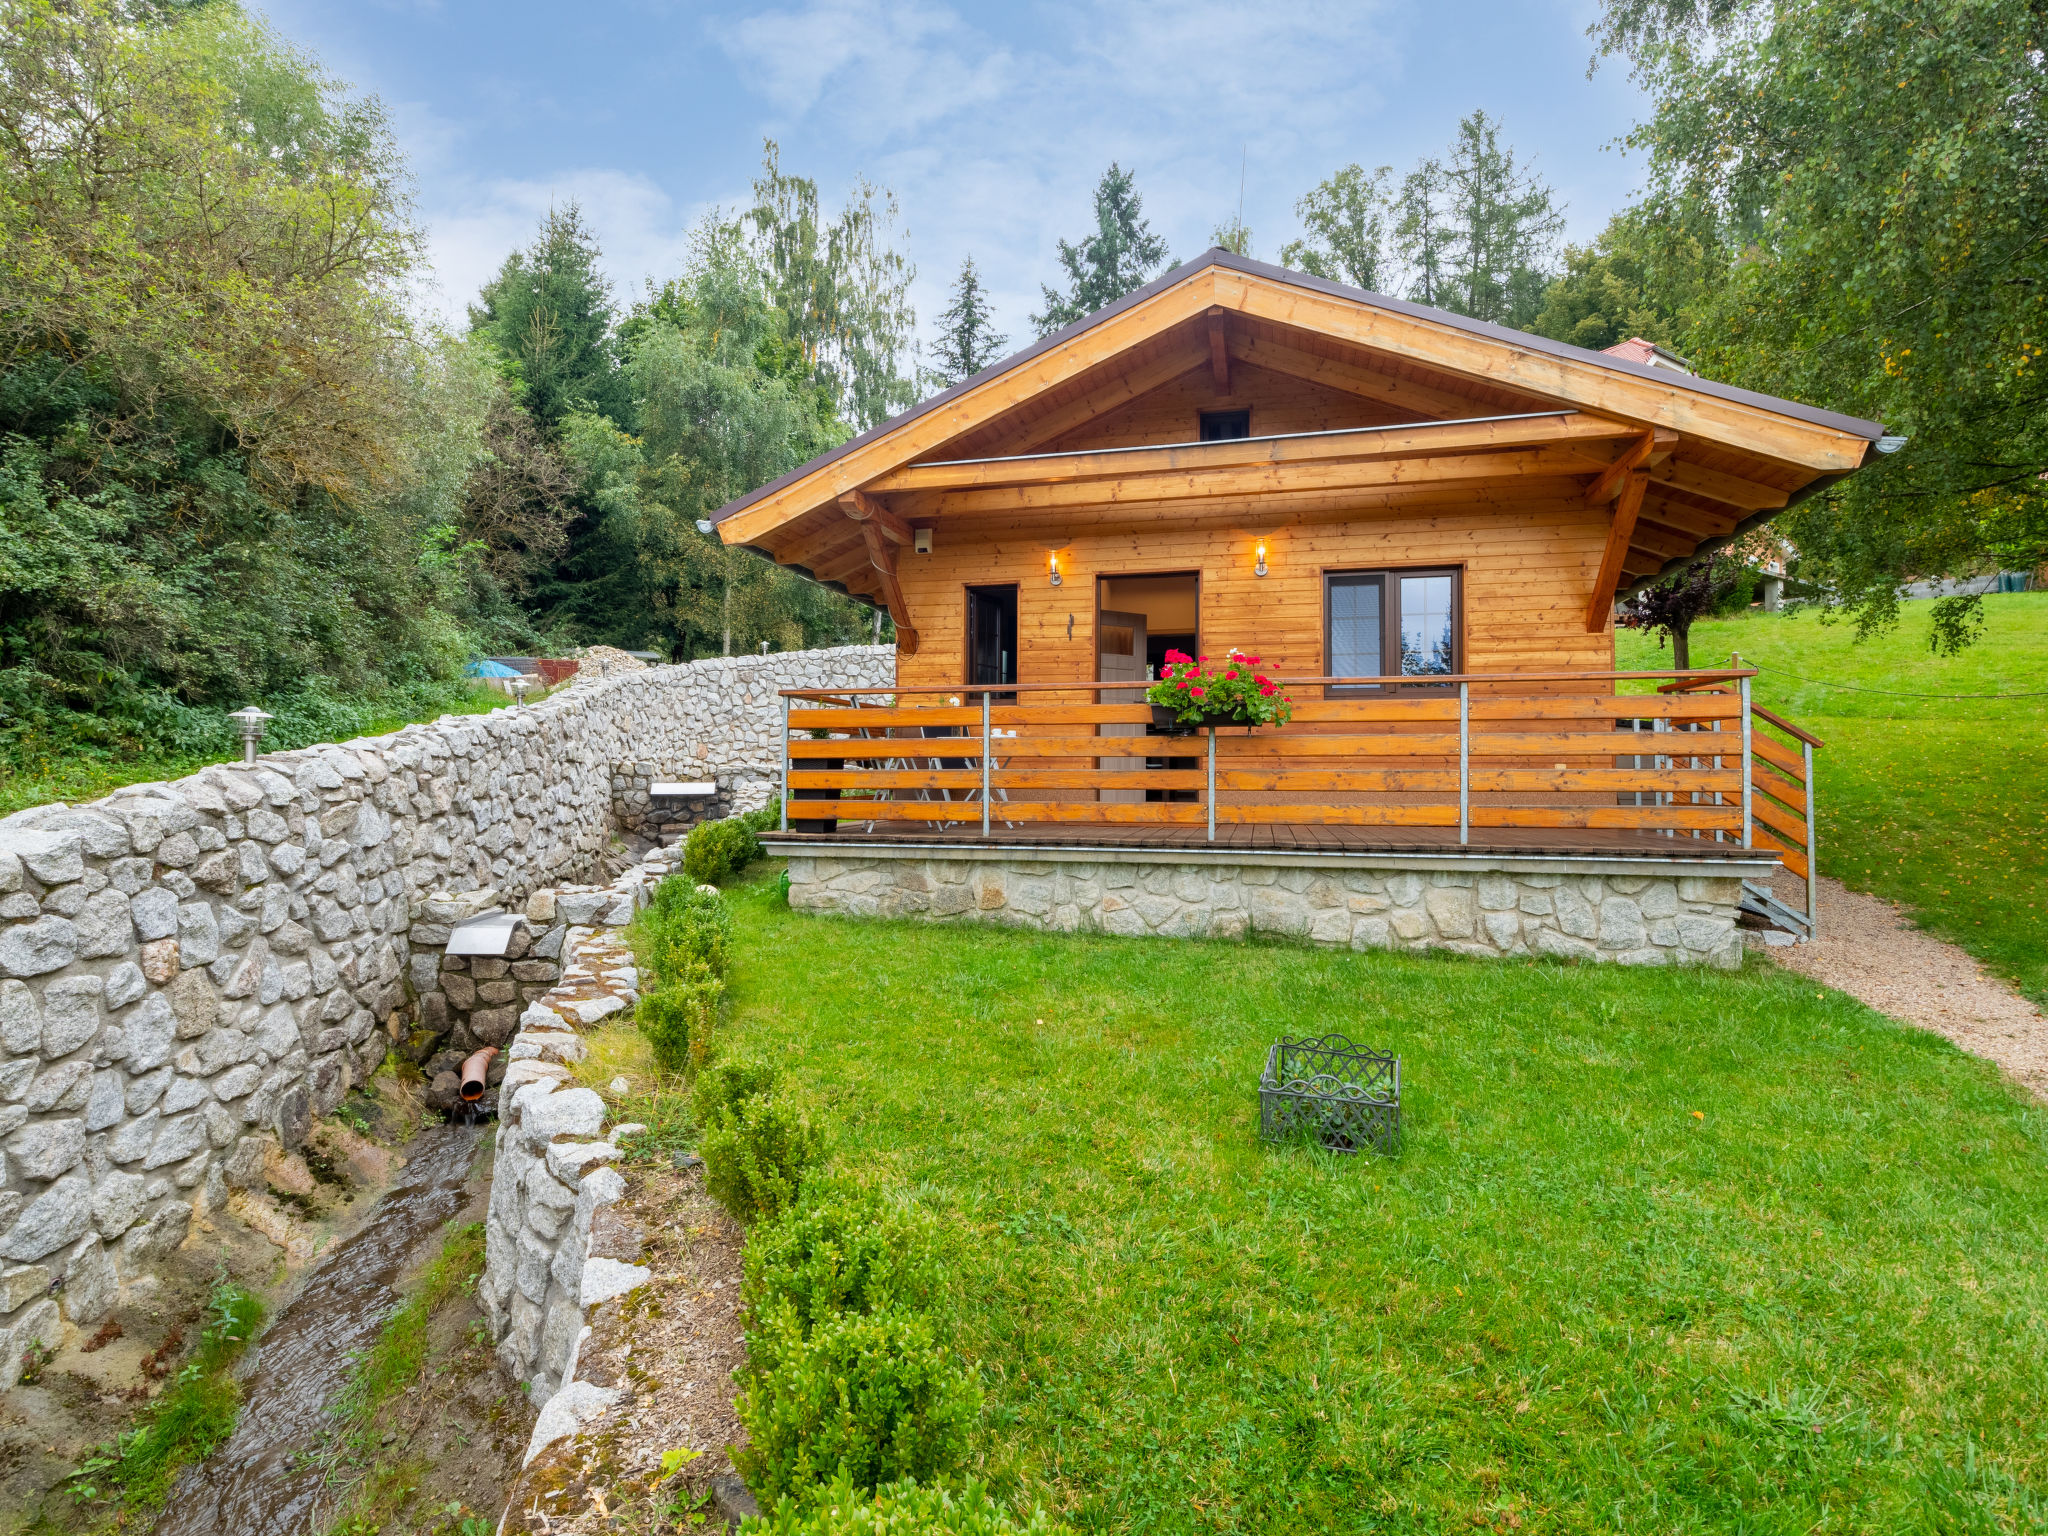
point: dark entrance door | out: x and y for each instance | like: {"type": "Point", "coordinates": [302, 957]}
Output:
{"type": "Point", "coordinates": [992, 635]}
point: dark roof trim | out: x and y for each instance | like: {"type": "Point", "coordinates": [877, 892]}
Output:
{"type": "Point", "coordinates": [1216, 256]}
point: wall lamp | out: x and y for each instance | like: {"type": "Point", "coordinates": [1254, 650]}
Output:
{"type": "Point", "coordinates": [1260, 568]}
{"type": "Point", "coordinates": [251, 720]}
{"type": "Point", "coordinates": [1052, 569]}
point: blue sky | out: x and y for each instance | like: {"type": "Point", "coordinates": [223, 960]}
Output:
{"type": "Point", "coordinates": [991, 123]}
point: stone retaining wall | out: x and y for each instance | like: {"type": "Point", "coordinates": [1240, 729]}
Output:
{"type": "Point", "coordinates": [1635, 912]}
{"type": "Point", "coordinates": [551, 1183]}
{"type": "Point", "coordinates": [189, 970]}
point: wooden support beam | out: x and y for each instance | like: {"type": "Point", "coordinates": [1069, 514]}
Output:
{"type": "Point", "coordinates": [1118, 390]}
{"type": "Point", "coordinates": [1633, 457]}
{"type": "Point", "coordinates": [1714, 485]}
{"type": "Point", "coordinates": [892, 590]}
{"type": "Point", "coordinates": [1401, 396]}
{"type": "Point", "coordinates": [1406, 441]}
{"type": "Point", "coordinates": [1619, 533]}
{"type": "Point", "coordinates": [1268, 480]}
{"type": "Point", "coordinates": [863, 508]}
{"type": "Point", "coordinates": [1219, 348]}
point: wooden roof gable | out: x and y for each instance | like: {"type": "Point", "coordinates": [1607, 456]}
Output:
{"type": "Point", "coordinates": [1685, 461]}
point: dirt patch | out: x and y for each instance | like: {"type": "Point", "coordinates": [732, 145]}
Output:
{"type": "Point", "coordinates": [671, 1349]}
{"type": "Point", "coordinates": [1869, 948]}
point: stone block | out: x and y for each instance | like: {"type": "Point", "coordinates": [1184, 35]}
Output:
{"type": "Point", "coordinates": [118, 1201]}
{"type": "Point", "coordinates": [37, 948]}
{"type": "Point", "coordinates": [59, 1215]}
{"type": "Point", "coordinates": [47, 1148]}
{"type": "Point", "coordinates": [71, 1013]}
{"type": "Point", "coordinates": [91, 1286]}
{"type": "Point", "coordinates": [124, 984]}
{"type": "Point", "coordinates": [21, 1020]}
{"type": "Point", "coordinates": [1621, 925]}
{"type": "Point", "coordinates": [105, 926]}
{"type": "Point", "coordinates": [1451, 910]}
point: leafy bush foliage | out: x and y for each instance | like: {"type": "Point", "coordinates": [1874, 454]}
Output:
{"type": "Point", "coordinates": [684, 939]}
{"type": "Point", "coordinates": [864, 1399]}
{"type": "Point", "coordinates": [756, 1153]}
{"type": "Point", "coordinates": [899, 1509]}
{"type": "Point", "coordinates": [840, 1250]}
{"type": "Point", "coordinates": [729, 1082]}
{"type": "Point", "coordinates": [718, 850]}
{"type": "Point", "coordinates": [678, 1016]}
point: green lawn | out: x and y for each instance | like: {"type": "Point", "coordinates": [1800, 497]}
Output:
{"type": "Point", "coordinates": [1938, 803]}
{"type": "Point", "coordinates": [1663, 1251]}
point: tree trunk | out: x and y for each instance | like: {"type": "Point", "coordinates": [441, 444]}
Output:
{"type": "Point", "coordinates": [1681, 647]}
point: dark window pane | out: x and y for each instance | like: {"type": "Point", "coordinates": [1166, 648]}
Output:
{"type": "Point", "coordinates": [1220, 426]}
{"type": "Point", "coordinates": [1355, 628]}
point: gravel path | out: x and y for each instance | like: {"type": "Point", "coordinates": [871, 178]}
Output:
{"type": "Point", "coordinates": [1870, 949]}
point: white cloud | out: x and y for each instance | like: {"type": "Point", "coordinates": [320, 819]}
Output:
{"type": "Point", "coordinates": [993, 135]}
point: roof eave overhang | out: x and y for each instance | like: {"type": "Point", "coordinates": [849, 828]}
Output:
{"type": "Point", "coordinates": [1827, 443]}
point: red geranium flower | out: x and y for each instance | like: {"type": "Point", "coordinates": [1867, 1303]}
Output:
{"type": "Point", "coordinates": [1198, 693]}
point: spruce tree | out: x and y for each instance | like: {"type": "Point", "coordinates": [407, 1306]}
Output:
{"type": "Point", "coordinates": [1121, 255]}
{"type": "Point", "coordinates": [549, 314]}
{"type": "Point", "coordinates": [968, 341]}
{"type": "Point", "coordinates": [1505, 228]}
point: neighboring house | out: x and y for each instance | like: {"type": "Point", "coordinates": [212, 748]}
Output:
{"type": "Point", "coordinates": [1422, 521]}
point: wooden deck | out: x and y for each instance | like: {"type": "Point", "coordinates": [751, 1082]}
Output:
{"type": "Point", "coordinates": [1265, 837]}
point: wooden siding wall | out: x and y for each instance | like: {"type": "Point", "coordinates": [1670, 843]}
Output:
{"type": "Point", "coordinates": [1278, 403]}
{"type": "Point", "coordinates": [1527, 571]}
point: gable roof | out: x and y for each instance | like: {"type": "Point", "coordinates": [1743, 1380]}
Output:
{"type": "Point", "coordinates": [1532, 364]}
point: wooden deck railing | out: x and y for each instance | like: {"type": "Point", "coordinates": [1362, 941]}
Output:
{"type": "Point", "coordinates": [1541, 750]}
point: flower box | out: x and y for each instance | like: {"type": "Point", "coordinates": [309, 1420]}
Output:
{"type": "Point", "coordinates": [1172, 723]}
{"type": "Point", "coordinates": [1326, 1087]}
{"type": "Point", "coordinates": [1192, 695]}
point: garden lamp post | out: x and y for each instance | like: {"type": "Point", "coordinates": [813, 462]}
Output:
{"type": "Point", "coordinates": [251, 720]}
{"type": "Point", "coordinates": [519, 685]}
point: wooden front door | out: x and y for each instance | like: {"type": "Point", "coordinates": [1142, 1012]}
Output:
{"type": "Point", "coordinates": [1120, 654]}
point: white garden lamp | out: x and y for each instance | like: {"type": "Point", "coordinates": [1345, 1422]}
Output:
{"type": "Point", "coordinates": [251, 720]}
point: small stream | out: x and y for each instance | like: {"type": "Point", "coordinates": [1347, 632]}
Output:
{"type": "Point", "coordinates": [250, 1486]}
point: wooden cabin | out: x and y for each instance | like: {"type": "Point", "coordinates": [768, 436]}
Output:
{"type": "Point", "coordinates": [1420, 522]}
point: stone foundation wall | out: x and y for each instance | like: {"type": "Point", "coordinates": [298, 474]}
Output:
{"type": "Point", "coordinates": [191, 970]}
{"type": "Point", "coordinates": [1634, 914]}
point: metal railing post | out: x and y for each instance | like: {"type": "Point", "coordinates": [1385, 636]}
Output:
{"type": "Point", "coordinates": [1747, 774]}
{"type": "Point", "coordinates": [1812, 849]}
{"type": "Point", "coordinates": [1212, 784]}
{"type": "Point", "coordinates": [1464, 764]}
{"type": "Point", "coordinates": [985, 775]}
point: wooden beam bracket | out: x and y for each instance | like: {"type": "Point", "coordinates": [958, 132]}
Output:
{"type": "Point", "coordinates": [1619, 533]}
{"type": "Point", "coordinates": [875, 520]}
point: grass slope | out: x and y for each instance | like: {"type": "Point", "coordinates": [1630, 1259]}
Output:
{"type": "Point", "coordinates": [1664, 1251]}
{"type": "Point", "coordinates": [1940, 803]}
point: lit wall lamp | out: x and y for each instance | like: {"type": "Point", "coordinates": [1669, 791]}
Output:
{"type": "Point", "coordinates": [1260, 568]}
{"type": "Point", "coordinates": [252, 721]}
{"type": "Point", "coordinates": [1052, 569]}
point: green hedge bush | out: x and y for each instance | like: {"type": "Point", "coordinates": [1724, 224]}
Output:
{"type": "Point", "coordinates": [727, 1083]}
{"type": "Point", "coordinates": [756, 1154]}
{"type": "Point", "coordinates": [899, 1509]}
{"type": "Point", "coordinates": [841, 1250]}
{"type": "Point", "coordinates": [718, 850]}
{"type": "Point", "coordinates": [683, 941]}
{"type": "Point", "coordinates": [867, 1399]}
{"type": "Point", "coordinates": [679, 1015]}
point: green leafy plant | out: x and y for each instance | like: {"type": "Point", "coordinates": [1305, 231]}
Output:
{"type": "Point", "coordinates": [757, 1152]}
{"type": "Point", "coordinates": [866, 1399]}
{"type": "Point", "coordinates": [679, 1014]}
{"type": "Point", "coordinates": [195, 1414]}
{"type": "Point", "coordinates": [1235, 691]}
{"type": "Point", "coordinates": [840, 1250]}
{"type": "Point", "coordinates": [903, 1508]}
{"type": "Point", "coordinates": [717, 850]}
{"type": "Point", "coordinates": [729, 1082]}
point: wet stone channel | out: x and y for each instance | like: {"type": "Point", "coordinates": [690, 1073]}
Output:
{"type": "Point", "coordinates": [262, 1482]}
